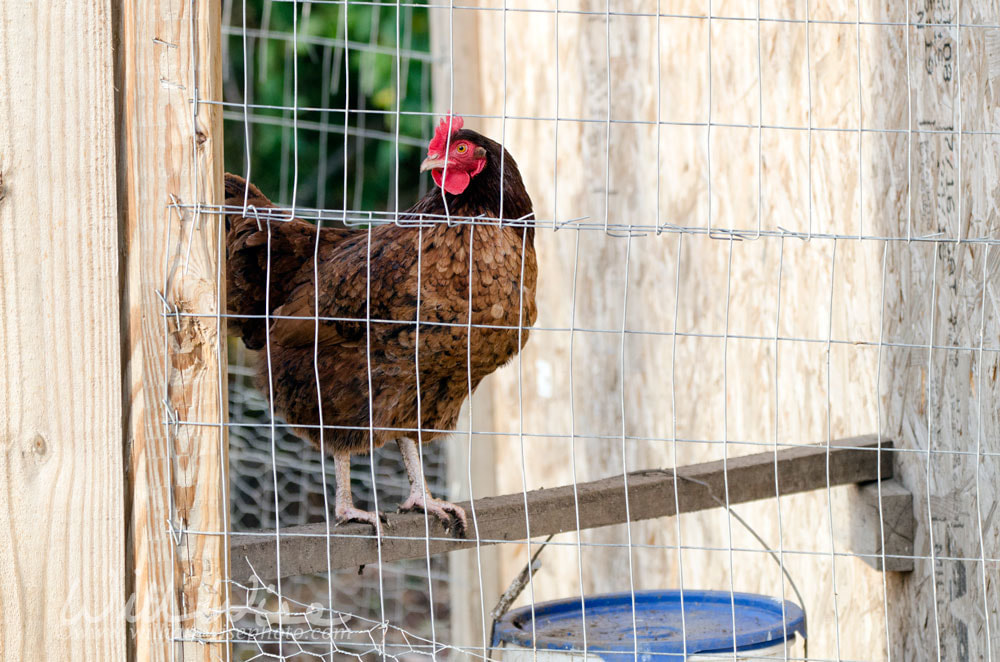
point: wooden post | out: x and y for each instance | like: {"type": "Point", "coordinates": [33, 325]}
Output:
{"type": "Point", "coordinates": [62, 581]}
{"type": "Point", "coordinates": [175, 372]}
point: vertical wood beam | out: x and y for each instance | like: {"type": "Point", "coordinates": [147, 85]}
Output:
{"type": "Point", "coordinates": [170, 63]}
{"type": "Point", "coordinates": [62, 539]}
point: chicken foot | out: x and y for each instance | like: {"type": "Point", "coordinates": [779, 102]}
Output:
{"type": "Point", "coordinates": [344, 509]}
{"type": "Point", "coordinates": [420, 498]}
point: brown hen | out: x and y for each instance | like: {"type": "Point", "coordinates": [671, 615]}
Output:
{"type": "Point", "coordinates": [363, 351]}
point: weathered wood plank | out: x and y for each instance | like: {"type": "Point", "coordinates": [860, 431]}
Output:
{"type": "Point", "coordinates": [62, 502]}
{"type": "Point", "coordinates": [601, 503]}
{"type": "Point", "coordinates": [172, 151]}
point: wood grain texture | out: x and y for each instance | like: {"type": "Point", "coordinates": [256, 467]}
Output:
{"type": "Point", "coordinates": [62, 513]}
{"type": "Point", "coordinates": [552, 511]}
{"type": "Point", "coordinates": [172, 151]}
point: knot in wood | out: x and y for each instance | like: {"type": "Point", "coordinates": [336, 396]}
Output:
{"type": "Point", "coordinates": [38, 446]}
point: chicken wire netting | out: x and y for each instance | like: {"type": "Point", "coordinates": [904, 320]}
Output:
{"type": "Point", "coordinates": [760, 225]}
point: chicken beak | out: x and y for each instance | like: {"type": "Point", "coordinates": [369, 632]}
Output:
{"type": "Point", "coordinates": [432, 163]}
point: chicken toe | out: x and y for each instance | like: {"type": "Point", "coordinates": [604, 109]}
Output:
{"type": "Point", "coordinates": [421, 499]}
{"type": "Point", "coordinates": [351, 514]}
{"type": "Point", "coordinates": [446, 512]}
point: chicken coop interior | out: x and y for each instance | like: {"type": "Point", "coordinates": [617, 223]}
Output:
{"type": "Point", "coordinates": [741, 344]}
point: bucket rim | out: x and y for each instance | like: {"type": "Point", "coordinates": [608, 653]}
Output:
{"type": "Point", "coordinates": [514, 628]}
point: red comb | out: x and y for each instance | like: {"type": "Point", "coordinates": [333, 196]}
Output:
{"type": "Point", "coordinates": [440, 141]}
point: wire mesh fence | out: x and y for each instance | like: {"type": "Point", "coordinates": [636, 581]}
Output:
{"type": "Point", "coordinates": [759, 226]}
{"type": "Point", "coordinates": [298, 496]}
{"type": "Point", "coordinates": [337, 160]}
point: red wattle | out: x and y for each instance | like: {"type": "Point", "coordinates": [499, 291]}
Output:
{"type": "Point", "coordinates": [456, 182]}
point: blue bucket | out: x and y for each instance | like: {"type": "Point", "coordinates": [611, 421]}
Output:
{"type": "Point", "coordinates": [764, 626]}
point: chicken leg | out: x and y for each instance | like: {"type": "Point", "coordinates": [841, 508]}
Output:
{"type": "Point", "coordinates": [420, 498]}
{"type": "Point", "coordinates": [344, 509]}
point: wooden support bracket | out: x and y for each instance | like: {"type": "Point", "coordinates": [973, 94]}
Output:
{"type": "Point", "coordinates": [895, 518]}
{"type": "Point", "coordinates": [600, 502]}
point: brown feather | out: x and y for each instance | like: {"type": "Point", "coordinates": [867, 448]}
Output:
{"type": "Point", "coordinates": [373, 275]}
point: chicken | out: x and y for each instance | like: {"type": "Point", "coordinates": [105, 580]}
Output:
{"type": "Point", "coordinates": [373, 286]}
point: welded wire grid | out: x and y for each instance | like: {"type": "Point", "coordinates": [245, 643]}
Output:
{"type": "Point", "coordinates": [934, 261]}
{"type": "Point", "coordinates": [298, 495]}
{"type": "Point", "coordinates": [276, 479]}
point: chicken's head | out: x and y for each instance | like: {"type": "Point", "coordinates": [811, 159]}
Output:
{"type": "Point", "coordinates": [453, 157]}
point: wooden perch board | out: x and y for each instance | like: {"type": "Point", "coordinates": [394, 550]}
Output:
{"type": "Point", "coordinates": [601, 503]}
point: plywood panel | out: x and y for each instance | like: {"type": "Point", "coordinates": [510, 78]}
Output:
{"type": "Point", "coordinates": [945, 399]}
{"type": "Point", "coordinates": [746, 364]}
{"type": "Point", "coordinates": [785, 151]}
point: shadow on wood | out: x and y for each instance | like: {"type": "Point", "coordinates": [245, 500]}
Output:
{"type": "Point", "coordinates": [600, 503]}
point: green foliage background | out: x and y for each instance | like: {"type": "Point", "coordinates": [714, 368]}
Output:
{"type": "Point", "coordinates": [330, 77]}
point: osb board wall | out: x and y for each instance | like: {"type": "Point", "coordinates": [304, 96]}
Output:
{"type": "Point", "coordinates": [946, 399]}
{"type": "Point", "coordinates": [723, 376]}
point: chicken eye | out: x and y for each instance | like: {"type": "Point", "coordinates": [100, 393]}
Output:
{"type": "Point", "coordinates": [462, 149]}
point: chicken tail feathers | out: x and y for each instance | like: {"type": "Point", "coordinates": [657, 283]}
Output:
{"type": "Point", "coordinates": [240, 193]}
{"type": "Point", "coordinates": [256, 246]}
{"type": "Point", "coordinates": [236, 187]}
{"type": "Point", "coordinates": [246, 263]}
